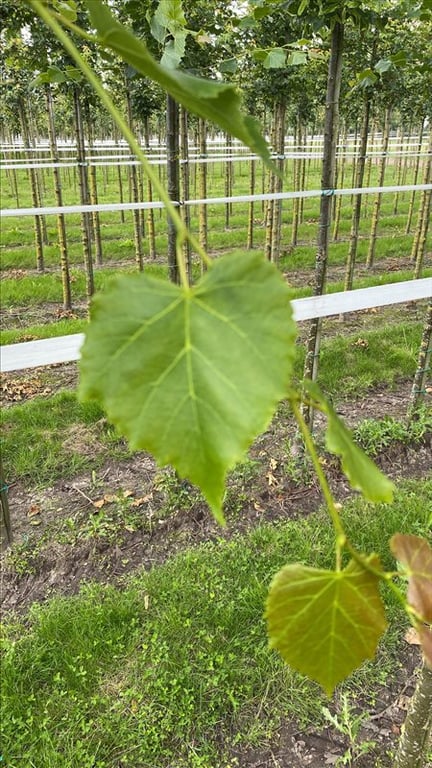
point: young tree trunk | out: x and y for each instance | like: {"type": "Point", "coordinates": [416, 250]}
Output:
{"type": "Point", "coordinates": [93, 194]}
{"type": "Point", "coordinates": [39, 172]}
{"type": "Point", "coordinates": [38, 233]}
{"type": "Point", "coordinates": [134, 191]}
{"type": "Point", "coordinates": [84, 192]}
{"type": "Point", "coordinates": [397, 175]}
{"type": "Point", "coordinates": [61, 225]}
{"type": "Point", "coordinates": [340, 182]}
{"type": "Point", "coordinates": [421, 244]}
{"type": "Point", "coordinates": [296, 187]}
{"type": "Point", "coordinates": [185, 187]}
{"type": "Point", "coordinates": [416, 173]}
{"type": "Point", "coordinates": [423, 218]}
{"type": "Point", "coordinates": [120, 188]}
{"type": "Point", "coordinates": [416, 734]}
{"type": "Point", "coordinates": [202, 183]}
{"type": "Point", "coordinates": [370, 160]}
{"type": "Point", "coordinates": [173, 181]}
{"type": "Point", "coordinates": [250, 227]}
{"type": "Point", "coordinates": [423, 366]}
{"type": "Point", "coordinates": [270, 217]}
{"type": "Point", "coordinates": [327, 183]}
{"type": "Point", "coordinates": [228, 179]}
{"type": "Point", "coordinates": [355, 222]}
{"type": "Point", "coordinates": [406, 162]}
{"type": "Point", "coordinates": [354, 165]}
{"type": "Point", "coordinates": [5, 521]}
{"type": "Point", "coordinates": [278, 184]}
{"type": "Point", "coordinates": [150, 213]}
{"type": "Point", "coordinates": [302, 173]}
{"type": "Point", "coordinates": [377, 202]}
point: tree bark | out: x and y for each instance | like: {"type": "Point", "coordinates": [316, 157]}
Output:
{"type": "Point", "coordinates": [340, 183]}
{"type": "Point", "coordinates": [355, 222]}
{"type": "Point", "coordinates": [84, 192]}
{"type": "Point", "coordinates": [150, 213]}
{"type": "Point", "coordinates": [228, 180]}
{"type": "Point", "coordinates": [61, 224]}
{"type": "Point", "coordinates": [173, 181]}
{"type": "Point", "coordinates": [93, 194]}
{"type": "Point", "coordinates": [134, 191]}
{"type": "Point", "coordinates": [377, 202]}
{"type": "Point", "coordinates": [37, 221]}
{"type": "Point", "coordinates": [202, 184]}
{"type": "Point", "coordinates": [278, 184]}
{"type": "Point", "coordinates": [185, 187]}
{"type": "Point", "coordinates": [419, 240]}
{"type": "Point", "coordinates": [397, 175]}
{"type": "Point", "coordinates": [327, 183]}
{"type": "Point", "coordinates": [296, 187]}
{"type": "Point", "coordinates": [250, 228]}
{"type": "Point", "coordinates": [5, 521]}
{"type": "Point", "coordinates": [418, 724]}
{"type": "Point", "coordinates": [423, 366]}
{"type": "Point", "coordinates": [416, 173]}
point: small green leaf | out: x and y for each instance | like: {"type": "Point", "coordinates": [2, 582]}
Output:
{"type": "Point", "coordinates": [366, 78]}
{"type": "Point", "coordinates": [228, 66]}
{"type": "Point", "coordinates": [360, 470]}
{"type": "Point", "coordinates": [383, 65]}
{"type": "Point", "coordinates": [325, 623]}
{"type": "Point", "coordinates": [174, 51]}
{"type": "Point", "coordinates": [67, 8]}
{"type": "Point", "coordinates": [219, 102]}
{"type": "Point", "coordinates": [296, 58]}
{"type": "Point", "coordinates": [276, 59]}
{"type": "Point", "coordinates": [192, 374]}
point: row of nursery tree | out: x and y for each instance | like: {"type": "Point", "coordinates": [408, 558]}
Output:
{"type": "Point", "coordinates": [281, 62]}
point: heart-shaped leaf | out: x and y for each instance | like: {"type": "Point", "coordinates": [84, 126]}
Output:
{"type": "Point", "coordinates": [360, 470]}
{"type": "Point", "coordinates": [192, 374]}
{"type": "Point", "coordinates": [325, 623]}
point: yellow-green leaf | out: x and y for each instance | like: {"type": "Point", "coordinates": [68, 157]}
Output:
{"type": "Point", "coordinates": [325, 623]}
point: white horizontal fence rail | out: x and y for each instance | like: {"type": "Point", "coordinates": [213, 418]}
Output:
{"type": "Point", "coordinates": [62, 349]}
{"type": "Point", "coordinates": [113, 161]}
{"type": "Point", "coordinates": [108, 207]}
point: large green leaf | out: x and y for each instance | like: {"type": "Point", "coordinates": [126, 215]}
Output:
{"type": "Point", "coordinates": [192, 374]}
{"type": "Point", "coordinates": [360, 470]}
{"type": "Point", "coordinates": [325, 623]}
{"type": "Point", "coordinates": [219, 102]}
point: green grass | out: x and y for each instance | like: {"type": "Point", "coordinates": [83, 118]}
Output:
{"type": "Point", "coordinates": [383, 356]}
{"type": "Point", "coordinates": [36, 289]}
{"type": "Point", "coordinates": [40, 289]}
{"type": "Point", "coordinates": [44, 331]}
{"type": "Point", "coordinates": [33, 444]}
{"type": "Point", "coordinates": [47, 439]}
{"type": "Point", "coordinates": [174, 669]}
{"type": "Point", "coordinates": [374, 435]}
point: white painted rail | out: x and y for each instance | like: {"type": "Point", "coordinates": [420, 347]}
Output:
{"type": "Point", "coordinates": [62, 349]}
{"type": "Point", "coordinates": [109, 207]}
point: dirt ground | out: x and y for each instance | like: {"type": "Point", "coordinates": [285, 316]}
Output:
{"type": "Point", "coordinates": [130, 514]}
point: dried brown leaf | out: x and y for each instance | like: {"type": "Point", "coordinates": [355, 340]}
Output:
{"type": "Point", "coordinates": [415, 555]}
